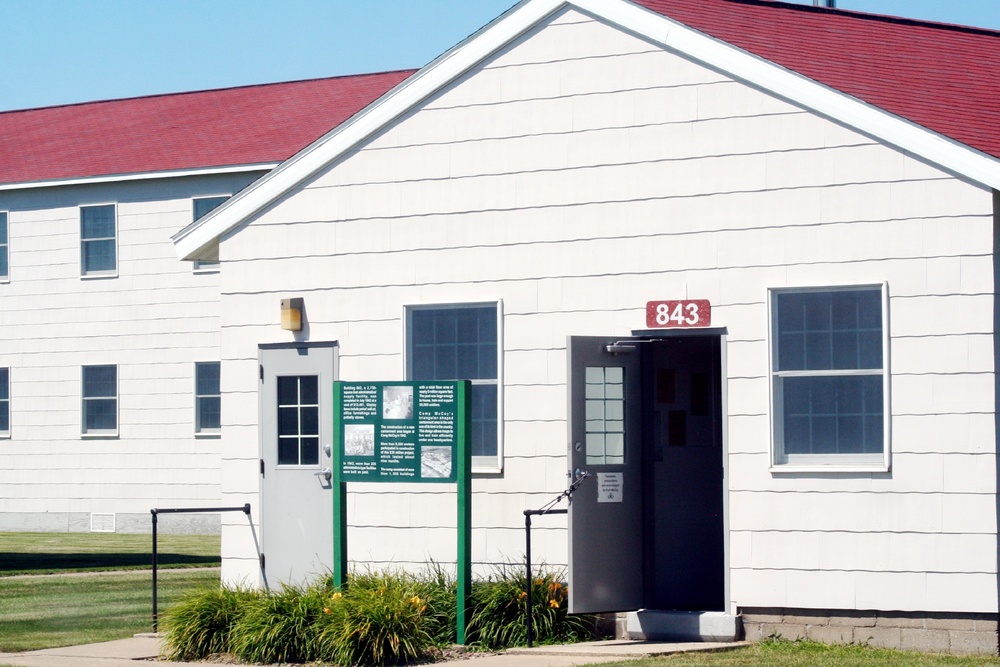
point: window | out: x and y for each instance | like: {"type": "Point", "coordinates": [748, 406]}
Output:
{"type": "Point", "coordinates": [829, 377]}
{"type": "Point", "coordinates": [298, 420]}
{"type": "Point", "coordinates": [4, 245]}
{"type": "Point", "coordinates": [460, 343]}
{"type": "Point", "coordinates": [100, 400]}
{"type": "Point", "coordinates": [202, 206]}
{"type": "Point", "coordinates": [207, 398]}
{"type": "Point", "coordinates": [4, 402]}
{"type": "Point", "coordinates": [98, 251]}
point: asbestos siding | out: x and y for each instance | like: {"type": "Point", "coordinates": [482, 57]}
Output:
{"type": "Point", "coordinates": [575, 176]}
{"type": "Point", "coordinates": [154, 320]}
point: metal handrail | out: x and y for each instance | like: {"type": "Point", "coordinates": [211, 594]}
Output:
{"type": "Point", "coordinates": [182, 510]}
{"type": "Point", "coordinates": [545, 509]}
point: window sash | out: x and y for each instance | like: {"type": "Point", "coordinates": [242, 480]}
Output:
{"type": "Point", "coordinates": [462, 342]}
{"type": "Point", "coordinates": [98, 240]}
{"type": "Point", "coordinates": [830, 396]}
{"type": "Point", "coordinates": [4, 248]}
{"type": "Point", "coordinates": [207, 397]}
{"type": "Point", "coordinates": [99, 400]}
{"type": "Point", "coordinates": [201, 206]}
{"type": "Point", "coordinates": [4, 402]}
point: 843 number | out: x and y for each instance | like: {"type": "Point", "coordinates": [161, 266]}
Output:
{"type": "Point", "coordinates": [673, 314]}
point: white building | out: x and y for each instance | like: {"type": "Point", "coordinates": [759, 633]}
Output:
{"type": "Point", "coordinates": [109, 361]}
{"type": "Point", "coordinates": [820, 459]}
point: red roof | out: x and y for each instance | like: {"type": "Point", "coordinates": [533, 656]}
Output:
{"type": "Point", "coordinates": [943, 77]}
{"type": "Point", "coordinates": [214, 128]}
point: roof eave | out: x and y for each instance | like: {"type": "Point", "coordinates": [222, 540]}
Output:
{"type": "Point", "coordinates": [722, 56]}
{"type": "Point", "coordinates": [138, 176]}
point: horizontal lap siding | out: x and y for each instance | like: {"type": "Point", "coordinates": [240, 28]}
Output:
{"type": "Point", "coordinates": [154, 320]}
{"type": "Point", "coordinates": [583, 172]}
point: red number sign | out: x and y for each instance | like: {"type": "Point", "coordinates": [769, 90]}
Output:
{"type": "Point", "coordinates": [674, 314]}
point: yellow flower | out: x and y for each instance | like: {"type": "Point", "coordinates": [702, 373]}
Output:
{"type": "Point", "coordinates": [337, 595]}
{"type": "Point", "coordinates": [522, 595]}
{"type": "Point", "coordinates": [415, 600]}
{"type": "Point", "coordinates": [326, 610]}
{"type": "Point", "coordinates": [539, 582]}
{"type": "Point", "coordinates": [554, 604]}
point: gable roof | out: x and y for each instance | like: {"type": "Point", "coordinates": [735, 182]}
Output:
{"type": "Point", "coordinates": [943, 77]}
{"type": "Point", "coordinates": [888, 78]}
{"type": "Point", "coordinates": [251, 125]}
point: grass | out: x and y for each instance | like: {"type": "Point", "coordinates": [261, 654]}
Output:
{"type": "Point", "coordinates": [809, 654]}
{"type": "Point", "coordinates": [65, 610]}
{"type": "Point", "coordinates": [91, 596]}
{"type": "Point", "coordinates": [45, 553]}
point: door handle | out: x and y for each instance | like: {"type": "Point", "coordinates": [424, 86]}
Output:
{"type": "Point", "coordinates": [325, 473]}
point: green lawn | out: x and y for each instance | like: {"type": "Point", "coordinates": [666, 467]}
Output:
{"type": "Point", "coordinates": [63, 610]}
{"type": "Point", "coordinates": [39, 553]}
{"type": "Point", "coordinates": [101, 602]}
{"type": "Point", "coordinates": [809, 654]}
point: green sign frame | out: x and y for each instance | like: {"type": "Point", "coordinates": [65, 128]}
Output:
{"type": "Point", "coordinates": [405, 432]}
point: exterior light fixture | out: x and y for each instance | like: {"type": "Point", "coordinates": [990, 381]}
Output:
{"type": "Point", "coordinates": [291, 314]}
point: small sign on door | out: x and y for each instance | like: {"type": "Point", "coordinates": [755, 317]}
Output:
{"type": "Point", "coordinates": [610, 486]}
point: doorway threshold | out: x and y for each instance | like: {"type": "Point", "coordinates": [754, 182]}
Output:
{"type": "Point", "coordinates": [683, 626]}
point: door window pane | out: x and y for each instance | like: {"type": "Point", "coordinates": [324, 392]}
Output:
{"type": "Point", "coordinates": [604, 407]}
{"type": "Point", "coordinates": [298, 420]}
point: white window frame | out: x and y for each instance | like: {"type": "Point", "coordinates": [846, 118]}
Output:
{"type": "Point", "coordinates": [199, 430]}
{"type": "Point", "coordinates": [5, 403]}
{"type": "Point", "coordinates": [105, 273]}
{"type": "Point", "coordinates": [95, 432]}
{"type": "Point", "coordinates": [781, 462]}
{"type": "Point", "coordinates": [206, 266]}
{"type": "Point", "coordinates": [5, 244]}
{"type": "Point", "coordinates": [480, 464]}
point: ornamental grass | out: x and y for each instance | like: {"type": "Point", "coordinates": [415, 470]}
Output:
{"type": "Point", "coordinates": [377, 618]}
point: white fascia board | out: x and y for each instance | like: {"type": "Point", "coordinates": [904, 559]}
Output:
{"type": "Point", "coordinates": [141, 176]}
{"type": "Point", "coordinates": [656, 28]}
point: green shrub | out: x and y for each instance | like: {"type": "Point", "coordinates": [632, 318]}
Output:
{"type": "Point", "coordinates": [378, 619]}
{"type": "Point", "coordinates": [498, 604]}
{"type": "Point", "coordinates": [279, 627]}
{"type": "Point", "coordinates": [198, 626]}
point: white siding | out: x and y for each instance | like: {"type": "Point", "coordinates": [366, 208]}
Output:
{"type": "Point", "coordinates": [154, 320]}
{"type": "Point", "coordinates": [583, 172]}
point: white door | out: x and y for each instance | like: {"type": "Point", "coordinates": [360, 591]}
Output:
{"type": "Point", "coordinates": [296, 432]}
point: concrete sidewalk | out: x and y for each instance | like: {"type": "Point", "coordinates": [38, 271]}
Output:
{"type": "Point", "coordinates": [124, 653]}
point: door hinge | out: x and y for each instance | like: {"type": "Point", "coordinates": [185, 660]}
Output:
{"type": "Point", "coordinates": [260, 372]}
{"type": "Point", "coordinates": [262, 467]}
{"type": "Point", "coordinates": [262, 561]}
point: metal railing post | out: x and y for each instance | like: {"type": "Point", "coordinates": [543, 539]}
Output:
{"type": "Point", "coordinates": [181, 510]}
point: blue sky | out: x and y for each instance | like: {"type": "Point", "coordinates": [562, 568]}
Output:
{"type": "Point", "coordinates": [68, 51]}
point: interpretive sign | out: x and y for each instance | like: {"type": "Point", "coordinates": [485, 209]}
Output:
{"type": "Point", "coordinates": [405, 432]}
{"type": "Point", "coordinates": [398, 431]}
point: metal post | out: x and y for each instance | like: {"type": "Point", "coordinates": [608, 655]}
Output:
{"type": "Point", "coordinates": [153, 512]}
{"type": "Point", "coordinates": [527, 573]}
